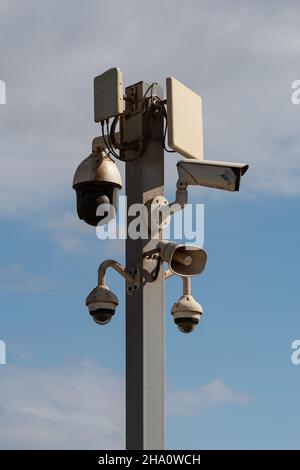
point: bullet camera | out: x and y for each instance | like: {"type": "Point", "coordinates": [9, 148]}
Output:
{"type": "Point", "coordinates": [102, 304]}
{"type": "Point", "coordinates": [219, 175]}
{"type": "Point", "coordinates": [186, 313]}
{"type": "Point", "coordinates": [97, 182]}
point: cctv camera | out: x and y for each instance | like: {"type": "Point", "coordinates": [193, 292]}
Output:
{"type": "Point", "coordinates": [102, 304]}
{"type": "Point", "coordinates": [97, 182]}
{"type": "Point", "coordinates": [219, 175]}
{"type": "Point", "coordinates": [186, 313]}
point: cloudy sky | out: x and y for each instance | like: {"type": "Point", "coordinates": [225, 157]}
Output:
{"type": "Point", "coordinates": [231, 384]}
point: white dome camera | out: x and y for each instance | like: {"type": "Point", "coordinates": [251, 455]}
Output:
{"type": "Point", "coordinates": [102, 304]}
{"type": "Point", "coordinates": [186, 313]}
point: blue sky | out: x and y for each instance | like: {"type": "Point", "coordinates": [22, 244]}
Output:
{"type": "Point", "coordinates": [231, 384]}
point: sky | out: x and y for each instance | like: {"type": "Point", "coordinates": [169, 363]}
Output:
{"type": "Point", "coordinates": [231, 384]}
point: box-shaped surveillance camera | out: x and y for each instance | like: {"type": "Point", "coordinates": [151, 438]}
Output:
{"type": "Point", "coordinates": [108, 94]}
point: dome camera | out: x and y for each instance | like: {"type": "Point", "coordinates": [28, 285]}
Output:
{"type": "Point", "coordinates": [186, 313]}
{"type": "Point", "coordinates": [102, 304]}
{"type": "Point", "coordinates": [97, 183]}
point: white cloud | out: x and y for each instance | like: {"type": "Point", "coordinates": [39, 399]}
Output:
{"type": "Point", "coordinates": [73, 236]}
{"type": "Point", "coordinates": [68, 232]}
{"type": "Point", "coordinates": [14, 278]}
{"type": "Point", "coordinates": [80, 406]}
{"type": "Point", "coordinates": [192, 401]}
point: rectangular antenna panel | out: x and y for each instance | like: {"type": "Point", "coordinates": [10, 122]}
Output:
{"type": "Point", "coordinates": [108, 94]}
{"type": "Point", "coordinates": [185, 128]}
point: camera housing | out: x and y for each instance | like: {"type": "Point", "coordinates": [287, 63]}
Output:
{"type": "Point", "coordinates": [97, 183]}
{"type": "Point", "coordinates": [218, 175]}
{"type": "Point", "coordinates": [186, 313]}
{"type": "Point", "coordinates": [102, 304]}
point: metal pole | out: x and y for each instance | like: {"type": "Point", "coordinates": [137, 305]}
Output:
{"type": "Point", "coordinates": [145, 304]}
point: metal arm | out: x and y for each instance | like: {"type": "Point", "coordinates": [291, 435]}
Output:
{"type": "Point", "coordinates": [111, 263]}
{"type": "Point", "coordinates": [186, 282]}
{"type": "Point", "coordinates": [181, 195]}
{"type": "Point", "coordinates": [179, 203]}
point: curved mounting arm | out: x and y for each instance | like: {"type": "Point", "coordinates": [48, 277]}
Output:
{"type": "Point", "coordinates": [111, 263]}
{"type": "Point", "coordinates": [186, 282]}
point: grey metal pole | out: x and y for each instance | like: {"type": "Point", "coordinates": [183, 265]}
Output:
{"type": "Point", "coordinates": [145, 304]}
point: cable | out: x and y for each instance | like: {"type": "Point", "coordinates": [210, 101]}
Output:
{"type": "Point", "coordinates": [109, 141]}
{"type": "Point", "coordinates": [157, 269]}
{"type": "Point", "coordinates": [165, 132]}
{"type": "Point", "coordinates": [103, 135]}
{"type": "Point", "coordinates": [150, 87]}
{"type": "Point", "coordinates": [112, 133]}
{"type": "Point", "coordinates": [115, 144]}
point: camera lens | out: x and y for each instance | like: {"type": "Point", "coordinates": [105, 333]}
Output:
{"type": "Point", "coordinates": [186, 325]}
{"type": "Point", "coordinates": [102, 316]}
